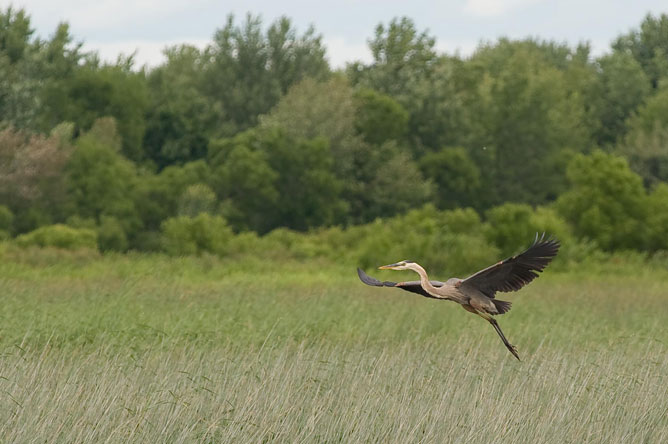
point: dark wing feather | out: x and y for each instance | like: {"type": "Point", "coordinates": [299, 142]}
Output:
{"type": "Point", "coordinates": [412, 286]}
{"type": "Point", "coordinates": [515, 272]}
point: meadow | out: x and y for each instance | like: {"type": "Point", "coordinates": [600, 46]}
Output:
{"type": "Point", "coordinates": [147, 348]}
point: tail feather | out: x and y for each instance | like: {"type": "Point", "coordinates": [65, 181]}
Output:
{"type": "Point", "coordinates": [501, 306]}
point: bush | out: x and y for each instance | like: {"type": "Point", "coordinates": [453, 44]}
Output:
{"type": "Point", "coordinates": [439, 241]}
{"type": "Point", "coordinates": [60, 236]}
{"type": "Point", "coordinates": [148, 241]}
{"type": "Point", "coordinates": [6, 219]}
{"type": "Point", "coordinates": [657, 219]}
{"type": "Point", "coordinates": [195, 235]}
{"type": "Point", "coordinates": [76, 221]}
{"type": "Point", "coordinates": [606, 202]}
{"type": "Point", "coordinates": [462, 220]}
{"type": "Point", "coordinates": [196, 199]}
{"type": "Point", "coordinates": [512, 226]}
{"type": "Point", "coordinates": [379, 118]}
{"type": "Point", "coordinates": [509, 225]}
{"type": "Point", "coordinates": [455, 174]}
{"type": "Point", "coordinates": [110, 235]}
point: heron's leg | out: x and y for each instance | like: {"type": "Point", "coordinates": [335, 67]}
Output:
{"type": "Point", "coordinates": [508, 345]}
{"type": "Point", "coordinates": [496, 326]}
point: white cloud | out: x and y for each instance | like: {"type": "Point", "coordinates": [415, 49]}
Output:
{"type": "Point", "coordinates": [340, 52]}
{"type": "Point", "coordinates": [492, 8]}
{"type": "Point", "coordinates": [464, 48]}
{"type": "Point", "coordinates": [105, 14]}
{"type": "Point", "coordinates": [148, 53]}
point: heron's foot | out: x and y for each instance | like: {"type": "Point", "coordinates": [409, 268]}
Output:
{"type": "Point", "coordinates": [513, 350]}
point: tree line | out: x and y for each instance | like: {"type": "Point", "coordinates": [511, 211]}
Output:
{"type": "Point", "coordinates": [257, 132]}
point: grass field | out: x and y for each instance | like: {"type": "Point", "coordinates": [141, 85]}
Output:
{"type": "Point", "coordinates": [151, 349]}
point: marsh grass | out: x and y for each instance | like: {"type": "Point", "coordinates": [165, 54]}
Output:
{"type": "Point", "coordinates": [150, 349]}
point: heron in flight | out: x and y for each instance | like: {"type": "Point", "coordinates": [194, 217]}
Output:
{"type": "Point", "coordinates": [477, 292]}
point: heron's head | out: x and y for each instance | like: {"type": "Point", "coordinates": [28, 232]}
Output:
{"type": "Point", "coordinates": [402, 265]}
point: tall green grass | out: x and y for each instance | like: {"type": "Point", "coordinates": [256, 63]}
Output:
{"type": "Point", "coordinates": [154, 349]}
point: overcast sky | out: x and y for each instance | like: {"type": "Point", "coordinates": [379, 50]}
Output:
{"type": "Point", "coordinates": [115, 26]}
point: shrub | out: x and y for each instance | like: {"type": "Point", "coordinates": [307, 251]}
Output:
{"type": "Point", "coordinates": [462, 220]}
{"type": "Point", "coordinates": [657, 219]}
{"type": "Point", "coordinates": [455, 175]}
{"type": "Point", "coordinates": [196, 199]}
{"type": "Point", "coordinates": [6, 218]}
{"type": "Point", "coordinates": [60, 236]}
{"type": "Point", "coordinates": [510, 224]}
{"type": "Point", "coordinates": [110, 235]}
{"type": "Point", "coordinates": [101, 181]}
{"type": "Point", "coordinates": [512, 228]}
{"type": "Point", "coordinates": [195, 235]}
{"type": "Point", "coordinates": [440, 241]}
{"type": "Point", "coordinates": [379, 117]}
{"type": "Point", "coordinates": [76, 221]}
{"type": "Point", "coordinates": [606, 202]}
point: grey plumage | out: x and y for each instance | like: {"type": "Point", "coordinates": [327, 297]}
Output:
{"type": "Point", "coordinates": [477, 293]}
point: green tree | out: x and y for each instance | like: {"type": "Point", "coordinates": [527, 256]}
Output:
{"type": "Point", "coordinates": [437, 114]}
{"type": "Point", "coordinates": [649, 46]}
{"type": "Point", "coordinates": [196, 199]}
{"type": "Point", "coordinates": [397, 187]}
{"type": "Point", "coordinates": [606, 202]}
{"type": "Point", "coordinates": [33, 71]}
{"type": "Point", "coordinates": [308, 191]}
{"type": "Point", "coordinates": [180, 117]}
{"type": "Point", "coordinates": [100, 181]}
{"type": "Point", "coordinates": [60, 59]}
{"type": "Point", "coordinates": [312, 109]}
{"type": "Point", "coordinates": [246, 182]}
{"type": "Point", "coordinates": [324, 109]}
{"type": "Point", "coordinates": [156, 198]}
{"type": "Point", "coordinates": [158, 195]}
{"type": "Point", "coordinates": [247, 71]}
{"type": "Point", "coordinates": [111, 90]}
{"type": "Point", "coordinates": [401, 57]}
{"type": "Point", "coordinates": [525, 120]}
{"type": "Point", "coordinates": [407, 68]}
{"type": "Point", "coordinates": [18, 91]}
{"type": "Point", "coordinates": [455, 175]}
{"type": "Point", "coordinates": [646, 143]}
{"type": "Point", "coordinates": [624, 87]}
{"type": "Point", "coordinates": [379, 118]}
{"type": "Point", "coordinates": [330, 110]}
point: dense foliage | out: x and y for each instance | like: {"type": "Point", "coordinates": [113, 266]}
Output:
{"type": "Point", "coordinates": [256, 135]}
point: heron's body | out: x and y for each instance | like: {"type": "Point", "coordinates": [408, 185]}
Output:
{"type": "Point", "coordinates": [451, 291]}
{"type": "Point", "coordinates": [476, 293]}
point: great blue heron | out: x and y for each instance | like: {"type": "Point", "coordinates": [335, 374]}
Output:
{"type": "Point", "coordinates": [476, 292]}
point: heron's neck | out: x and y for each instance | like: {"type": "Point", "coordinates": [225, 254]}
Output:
{"type": "Point", "coordinates": [424, 279]}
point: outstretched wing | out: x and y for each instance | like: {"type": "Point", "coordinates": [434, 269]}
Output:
{"type": "Point", "coordinates": [515, 272]}
{"type": "Point", "coordinates": [412, 286]}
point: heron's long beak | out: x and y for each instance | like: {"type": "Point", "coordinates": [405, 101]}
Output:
{"type": "Point", "coordinates": [388, 267]}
